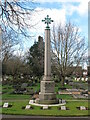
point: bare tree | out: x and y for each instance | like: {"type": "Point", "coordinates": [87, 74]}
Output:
{"type": "Point", "coordinates": [68, 48]}
{"type": "Point", "coordinates": [16, 14]}
{"type": "Point", "coordinates": [9, 41]}
{"type": "Point", "coordinates": [15, 22]}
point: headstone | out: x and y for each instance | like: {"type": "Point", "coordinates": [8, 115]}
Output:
{"type": "Point", "coordinates": [24, 85]}
{"type": "Point", "coordinates": [5, 105]}
{"type": "Point", "coordinates": [60, 100]}
{"type": "Point", "coordinates": [45, 107]}
{"type": "Point", "coordinates": [27, 107]}
{"type": "Point", "coordinates": [31, 101]}
{"type": "Point", "coordinates": [78, 79]}
{"type": "Point", "coordinates": [22, 77]}
{"type": "Point", "coordinates": [5, 79]}
{"type": "Point", "coordinates": [86, 79]}
{"type": "Point", "coordinates": [86, 95]}
{"type": "Point", "coordinates": [82, 108]}
{"type": "Point", "coordinates": [63, 101]}
{"type": "Point", "coordinates": [63, 107]}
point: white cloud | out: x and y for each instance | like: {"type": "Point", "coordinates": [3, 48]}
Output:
{"type": "Point", "coordinates": [81, 9]}
{"type": "Point", "coordinates": [43, 1]}
{"type": "Point", "coordinates": [58, 15]}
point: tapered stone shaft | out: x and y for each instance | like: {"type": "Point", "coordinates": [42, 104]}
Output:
{"type": "Point", "coordinates": [47, 59]}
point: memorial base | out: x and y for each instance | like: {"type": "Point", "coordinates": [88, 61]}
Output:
{"type": "Point", "coordinates": [47, 102]}
{"type": "Point", "coordinates": [47, 94]}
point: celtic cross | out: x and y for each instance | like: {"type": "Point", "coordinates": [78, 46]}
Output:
{"type": "Point", "coordinates": [47, 21]}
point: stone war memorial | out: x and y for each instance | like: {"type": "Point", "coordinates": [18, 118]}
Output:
{"type": "Point", "coordinates": [47, 93]}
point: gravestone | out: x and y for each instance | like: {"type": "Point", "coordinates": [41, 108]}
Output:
{"type": "Point", "coordinates": [86, 79]}
{"type": "Point", "coordinates": [31, 101]}
{"type": "Point", "coordinates": [63, 101]}
{"type": "Point", "coordinates": [45, 107]}
{"type": "Point", "coordinates": [60, 100]}
{"type": "Point", "coordinates": [63, 107]}
{"type": "Point", "coordinates": [5, 105]}
{"type": "Point", "coordinates": [82, 108]}
{"type": "Point", "coordinates": [24, 85]}
{"type": "Point", "coordinates": [82, 79]}
{"type": "Point", "coordinates": [27, 107]}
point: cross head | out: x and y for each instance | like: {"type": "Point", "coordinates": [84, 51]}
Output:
{"type": "Point", "coordinates": [47, 21]}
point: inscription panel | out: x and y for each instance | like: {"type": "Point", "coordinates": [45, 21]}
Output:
{"type": "Point", "coordinates": [47, 86]}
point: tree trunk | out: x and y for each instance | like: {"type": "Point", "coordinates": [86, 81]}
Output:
{"type": "Point", "coordinates": [62, 81]}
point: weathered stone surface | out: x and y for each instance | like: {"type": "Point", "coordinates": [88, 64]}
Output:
{"type": "Point", "coordinates": [47, 58]}
{"type": "Point", "coordinates": [31, 101]}
{"type": "Point", "coordinates": [5, 105]}
{"type": "Point", "coordinates": [45, 107]}
{"type": "Point", "coordinates": [46, 78]}
{"type": "Point", "coordinates": [63, 107]}
{"type": "Point", "coordinates": [82, 108]}
{"type": "Point", "coordinates": [27, 107]}
{"type": "Point", "coordinates": [47, 102]}
{"type": "Point", "coordinates": [47, 86]}
{"type": "Point", "coordinates": [47, 94]}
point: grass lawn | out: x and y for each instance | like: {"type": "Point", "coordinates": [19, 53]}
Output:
{"type": "Point", "coordinates": [8, 96]}
{"type": "Point", "coordinates": [16, 109]}
{"type": "Point", "coordinates": [23, 100]}
{"type": "Point", "coordinates": [66, 97]}
{"type": "Point", "coordinates": [7, 92]}
{"type": "Point", "coordinates": [15, 97]}
{"type": "Point", "coordinates": [58, 85]}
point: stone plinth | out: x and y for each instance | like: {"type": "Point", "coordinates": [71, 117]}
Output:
{"type": "Point", "coordinates": [47, 86]}
{"type": "Point", "coordinates": [47, 94]}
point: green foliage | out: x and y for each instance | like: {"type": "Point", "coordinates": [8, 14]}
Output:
{"type": "Point", "coordinates": [36, 58]}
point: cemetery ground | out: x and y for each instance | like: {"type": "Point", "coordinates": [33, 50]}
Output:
{"type": "Point", "coordinates": [18, 101]}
